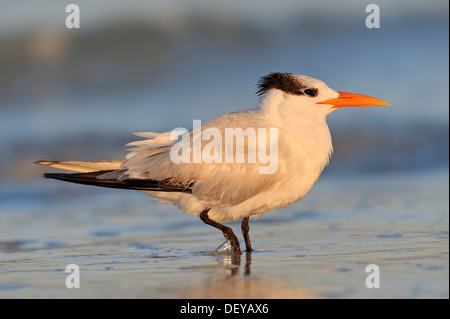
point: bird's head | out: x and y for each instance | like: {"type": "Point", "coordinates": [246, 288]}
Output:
{"type": "Point", "coordinates": [301, 96]}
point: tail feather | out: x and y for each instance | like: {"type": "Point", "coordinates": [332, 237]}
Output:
{"type": "Point", "coordinates": [91, 178]}
{"type": "Point", "coordinates": [84, 167]}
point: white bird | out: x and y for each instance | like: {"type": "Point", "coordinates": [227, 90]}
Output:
{"type": "Point", "coordinates": [220, 191]}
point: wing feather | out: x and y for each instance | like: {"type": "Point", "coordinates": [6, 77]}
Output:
{"type": "Point", "coordinates": [223, 183]}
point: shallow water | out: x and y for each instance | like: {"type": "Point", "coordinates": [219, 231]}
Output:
{"type": "Point", "coordinates": [128, 246]}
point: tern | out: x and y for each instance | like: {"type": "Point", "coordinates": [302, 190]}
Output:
{"type": "Point", "coordinates": [224, 191]}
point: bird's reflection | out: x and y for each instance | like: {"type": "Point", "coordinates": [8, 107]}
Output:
{"type": "Point", "coordinates": [232, 263]}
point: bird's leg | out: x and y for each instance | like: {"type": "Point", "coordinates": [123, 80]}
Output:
{"type": "Point", "coordinates": [227, 231]}
{"type": "Point", "coordinates": [245, 228]}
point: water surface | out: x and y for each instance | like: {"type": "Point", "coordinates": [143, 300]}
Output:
{"type": "Point", "coordinates": [128, 246]}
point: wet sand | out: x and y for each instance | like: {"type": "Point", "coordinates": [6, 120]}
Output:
{"type": "Point", "coordinates": [128, 246]}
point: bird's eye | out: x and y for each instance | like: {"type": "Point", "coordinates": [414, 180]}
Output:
{"type": "Point", "coordinates": [311, 92]}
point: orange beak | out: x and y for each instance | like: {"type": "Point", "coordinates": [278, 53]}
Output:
{"type": "Point", "coordinates": [351, 99]}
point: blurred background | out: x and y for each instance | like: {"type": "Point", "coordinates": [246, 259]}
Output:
{"type": "Point", "coordinates": [78, 94]}
{"type": "Point", "coordinates": [155, 65]}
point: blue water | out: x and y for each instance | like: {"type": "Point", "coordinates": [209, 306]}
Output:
{"type": "Point", "coordinates": [411, 133]}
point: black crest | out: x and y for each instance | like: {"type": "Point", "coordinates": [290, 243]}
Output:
{"type": "Point", "coordinates": [282, 81]}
